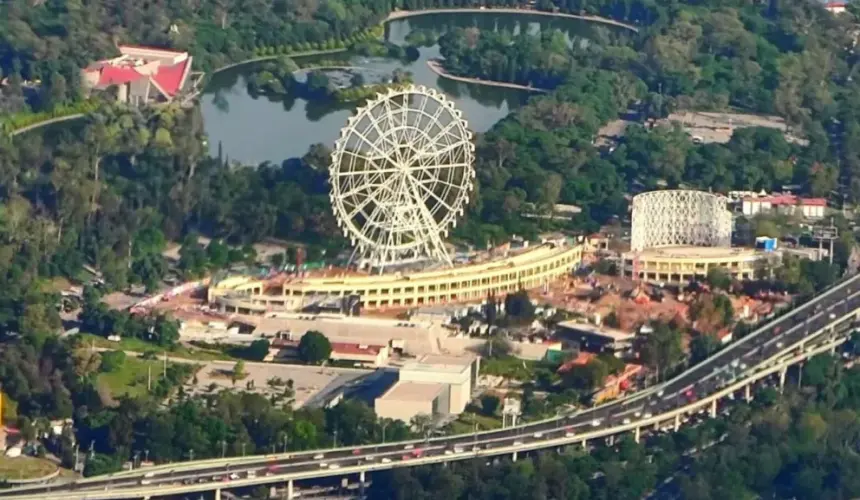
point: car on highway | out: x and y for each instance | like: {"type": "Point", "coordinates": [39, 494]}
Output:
{"type": "Point", "coordinates": [448, 452]}
{"type": "Point", "coordinates": [625, 421]}
{"type": "Point", "coordinates": [323, 465]}
{"type": "Point", "coordinates": [518, 443]}
{"type": "Point", "coordinates": [319, 456]}
{"type": "Point", "coordinates": [409, 447]}
{"type": "Point", "coordinates": [647, 415]}
{"type": "Point", "coordinates": [538, 435]}
{"type": "Point", "coordinates": [596, 422]}
{"type": "Point", "coordinates": [405, 457]}
{"type": "Point", "coordinates": [334, 466]}
{"type": "Point", "coordinates": [251, 474]}
{"type": "Point", "coordinates": [458, 449]}
{"type": "Point", "coordinates": [234, 476]}
{"type": "Point", "coordinates": [356, 451]}
{"type": "Point", "coordinates": [385, 460]}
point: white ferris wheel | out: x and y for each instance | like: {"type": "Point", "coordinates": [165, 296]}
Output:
{"type": "Point", "coordinates": [401, 174]}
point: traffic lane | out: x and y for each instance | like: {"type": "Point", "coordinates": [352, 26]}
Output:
{"type": "Point", "coordinates": [819, 320]}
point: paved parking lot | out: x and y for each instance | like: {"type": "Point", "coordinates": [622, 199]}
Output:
{"type": "Point", "coordinates": [308, 381]}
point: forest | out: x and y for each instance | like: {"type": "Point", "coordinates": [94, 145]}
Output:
{"type": "Point", "coordinates": [801, 444]}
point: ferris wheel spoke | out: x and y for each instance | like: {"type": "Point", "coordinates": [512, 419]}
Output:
{"type": "Point", "coordinates": [365, 160]}
{"type": "Point", "coordinates": [434, 195]}
{"type": "Point", "coordinates": [383, 136]}
{"type": "Point", "coordinates": [389, 117]}
{"type": "Point", "coordinates": [360, 206]}
{"type": "Point", "coordinates": [370, 143]}
{"type": "Point", "coordinates": [426, 155]}
{"type": "Point", "coordinates": [444, 131]}
{"type": "Point", "coordinates": [420, 113]}
{"type": "Point", "coordinates": [432, 167]}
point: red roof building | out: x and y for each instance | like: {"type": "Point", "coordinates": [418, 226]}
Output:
{"type": "Point", "coordinates": [811, 208]}
{"type": "Point", "coordinates": [142, 75]}
{"type": "Point", "coordinates": [373, 355]}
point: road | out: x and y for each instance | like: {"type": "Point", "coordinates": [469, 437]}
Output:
{"type": "Point", "coordinates": [734, 363]}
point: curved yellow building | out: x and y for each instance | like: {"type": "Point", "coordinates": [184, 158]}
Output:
{"type": "Point", "coordinates": [681, 264]}
{"type": "Point", "coordinates": [528, 269]}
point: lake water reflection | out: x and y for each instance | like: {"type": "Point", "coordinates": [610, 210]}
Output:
{"type": "Point", "coordinates": [253, 130]}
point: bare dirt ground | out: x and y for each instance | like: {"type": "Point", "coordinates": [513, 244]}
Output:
{"type": "Point", "coordinates": [709, 126]}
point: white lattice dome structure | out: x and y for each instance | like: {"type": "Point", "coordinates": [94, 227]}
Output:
{"type": "Point", "coordinates": [677, 217]}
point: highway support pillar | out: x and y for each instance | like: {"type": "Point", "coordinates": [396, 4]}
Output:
{"type": "Point", "coordinates": [747, 393]}
{"type": "Point", "coordinates": [782, 374]}
{"type": "Point", "coordinates": [514, 457]}
{"type": "Point", "coordinates": [714, 409]}
{"type": "Point", "coordinates": [361, 479]}
{"type": "Point", "coordinates": [218, 494]}
{"type": "Point", "coordinates": [677, 422]}
{"type": "Point", "coordinates": [637, 434]}
{"type": "Point", "coordinates": [611, 440]}
{"type": "Point", "coordinates": [585, 445]}
{"type": "Point", "coordinates": [290, 490]}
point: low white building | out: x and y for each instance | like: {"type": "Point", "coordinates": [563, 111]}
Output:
{"type": "Point", "coordinates": [432, 384]}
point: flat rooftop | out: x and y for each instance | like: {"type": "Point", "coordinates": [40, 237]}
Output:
{"type": "Point", "coordinates": [413, 391]}
{"type": "Point", "coordinates": [694, 252]}
{"type": "Point", "coordinates": [611, 333]}
{"type": "Point", "coordinates": [439, 363]}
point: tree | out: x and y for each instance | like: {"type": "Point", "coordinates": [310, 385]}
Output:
{"type": "Point", "coordinates": [519, 306]}
{"type": "Point", "coordinates": [112, 361]}
{"type": "Point", "coordinates": [258, 350]}
{"type": "Point", "coordinates": [662, 349]}
{"type": "Point", "coordinates": [702, 346]}
{"type": "Point", "coordinates": [491, 309]}
{"type": "Point", "coordinates": [422, 424]}
{"type": "Point", "coordinates": [238, 372]}
{"type": "Point", "coordinates": [314, 348]}
{"type": "Point", "coordinates": [490, 404]}
{"type": "Point", "coordinates": [497, 347]}
{"type": "Point", "coordinates": [719, 278]}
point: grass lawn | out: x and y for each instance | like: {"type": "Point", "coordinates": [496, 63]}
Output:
{"type": "Point", "coordinates": [141, 346]}
{"type": "Point", "coordinates": [465, 423]}
{"type": "Point", "coordinates": [509, 367]}
{"type": "Point", "coordinates": [24, 467]}
{"type": "Point", "coordinates": [131, 377]}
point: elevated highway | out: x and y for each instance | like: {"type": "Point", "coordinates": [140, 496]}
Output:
{"type": "Point", "coordinates": [816, 326]}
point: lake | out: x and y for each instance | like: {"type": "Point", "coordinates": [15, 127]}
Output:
{"type": "Point", "coordinates": [252, 130]}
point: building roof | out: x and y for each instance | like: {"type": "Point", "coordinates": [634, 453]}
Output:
{"type": "Point", "coordinates": [439, 363]}
{"type": "Point", "coordinates": [610, 333]}
{"type": "Point", "coordinates": [413, 391]}
{"type": "Point", "coordinates": [362, 349]}
{"type": "Point", "coordinates": [171, 78]}
{"type": "Point", "coordinates": [144, 63]}
{"type": "Point", "coordinates": [789, 199]}
{"type": "Point", "coordinates": [581, 359]}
